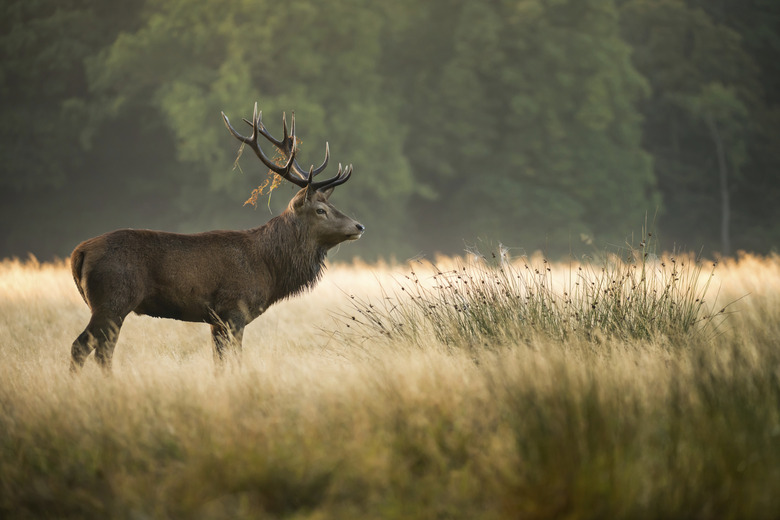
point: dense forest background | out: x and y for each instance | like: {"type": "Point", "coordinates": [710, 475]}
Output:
{"type": "Point", "coordinates": [544, 124]}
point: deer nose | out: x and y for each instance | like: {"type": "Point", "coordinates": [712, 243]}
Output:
{"type": "Point", "coordinates": [360, 227]}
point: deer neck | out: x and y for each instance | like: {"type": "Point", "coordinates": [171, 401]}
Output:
{"type": "Point", "coordinates": [293, 259]}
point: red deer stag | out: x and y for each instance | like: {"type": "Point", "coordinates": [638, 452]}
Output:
{"type": "Point", "coordinates": [223, 278]}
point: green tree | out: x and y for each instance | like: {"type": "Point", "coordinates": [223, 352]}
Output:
{"type": "Point", "coordinates": [723, 114]}
{"type": "Point", "coordinates": [524, 121]}
{"type": "Point", "coordinates": [757, 217]}
{"type": "Point", "coordinates": [707, 116]}
{"type": "Point", "coordinates": [43, 46]}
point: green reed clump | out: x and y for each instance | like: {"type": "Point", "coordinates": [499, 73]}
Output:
{"type": "Point", "coordinates": [631, 294]}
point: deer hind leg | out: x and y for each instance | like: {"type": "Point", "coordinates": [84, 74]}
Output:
{"type": "Point", "coordinates": [100, 335]}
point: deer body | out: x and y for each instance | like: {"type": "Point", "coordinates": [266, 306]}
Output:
{"type": "Point", "coordinates": [223, 278]}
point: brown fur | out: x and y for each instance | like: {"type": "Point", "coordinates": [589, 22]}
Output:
{"type": "Point", "coordinates": [223, 278]}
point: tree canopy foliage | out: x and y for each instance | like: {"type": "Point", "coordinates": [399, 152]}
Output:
{"type": "Point", "coordinates": [538, 123]}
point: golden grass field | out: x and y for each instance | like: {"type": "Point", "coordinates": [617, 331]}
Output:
{"type": "Point", "coordinates": [324, 421]}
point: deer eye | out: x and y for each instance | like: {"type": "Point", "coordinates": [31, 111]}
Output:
{"type": "Point", "coordinates": [320, 211]}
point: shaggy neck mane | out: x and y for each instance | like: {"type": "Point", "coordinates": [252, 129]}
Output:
{"type": "Point", "coordinates": [294, 260]}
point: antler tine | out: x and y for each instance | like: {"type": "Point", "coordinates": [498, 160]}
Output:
{"type": "Point", "coordinates": [322, 166]}
{"type": "Point", "coordinates": [315, 171]}
{"type": "Point", "coordinates": [341, 177]}
{"type": "Point", "coordinates": [287, 144]}
{"type": "Point", "coordinates": [233, 131]}
{"type": "Point", "coordinates": [294, 143]}
{"type": "Point", "coordinates": [284, 126]}
{"type": "Point", "coordinates": [257, 121]}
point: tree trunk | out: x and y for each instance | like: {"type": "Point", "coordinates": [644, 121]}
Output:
{"type": "Point", "coordinates": [725, 203]}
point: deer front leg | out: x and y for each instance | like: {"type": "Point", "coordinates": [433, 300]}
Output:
{"type": "Point", "coordinates": [227, 340]}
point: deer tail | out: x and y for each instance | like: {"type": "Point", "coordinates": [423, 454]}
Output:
{"type": "Point", "coordinates": [77, 266]}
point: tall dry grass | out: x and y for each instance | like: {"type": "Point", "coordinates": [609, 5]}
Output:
{"type": "Point", "coordinates": [323, 421]}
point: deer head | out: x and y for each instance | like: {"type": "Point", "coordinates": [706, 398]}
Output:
{"type": "Point", "coordinates": [310, 204]}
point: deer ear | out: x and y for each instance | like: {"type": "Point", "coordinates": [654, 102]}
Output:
{"type": "Point", "coordinates": [326, 192]}
{"type": "Point", "coordinates": [310, 193]}
{"type": "Point", "coordinates": [300, 198]}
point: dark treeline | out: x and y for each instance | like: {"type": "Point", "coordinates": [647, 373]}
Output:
{"type": "Point", "coordinates": [543, 124]}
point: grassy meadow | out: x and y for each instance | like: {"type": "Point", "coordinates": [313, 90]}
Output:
{"type": "Point", "coordinates": [630, 386]}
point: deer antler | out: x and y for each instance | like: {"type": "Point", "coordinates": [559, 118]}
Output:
{"type": "Point", "coordinates": [291, 170]}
